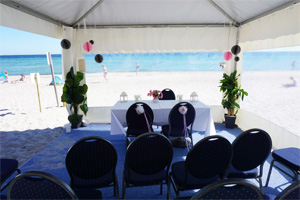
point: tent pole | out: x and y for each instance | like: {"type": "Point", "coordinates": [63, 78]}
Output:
{"type": "Point", "coordinates": [49, 59]}
{"type": "Point", "coordinates": [237, 43]}
{"type": "Point", "coordinates": [38, 91]}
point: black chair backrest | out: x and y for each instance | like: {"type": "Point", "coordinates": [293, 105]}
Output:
{"type": "Point", "coordinates": [210, 157]}
{"type": "Point", "coordinates": [149, 153]}
{"type": "Point", "coordinates": [229, 189]}
{"type": "Point", "coordinates": [168, 94]}
{"type": "Point", "coordinates": [91, 158]}
{"type": "Point", "coordinates": [139, 121]}
{"type": "Point", "coordinates": [250, 149]}
{"type": "Point", "coordinates": [176, 119]}
{"type": "Point", "coordinates": [291, 192]}
{"type": "Point", "coordinates": [39, 185]}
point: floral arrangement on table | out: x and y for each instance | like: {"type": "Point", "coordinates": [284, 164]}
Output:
{"type": "Point", "coordinates": [155, 94]}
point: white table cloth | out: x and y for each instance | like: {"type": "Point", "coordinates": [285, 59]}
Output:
{"type": "Point", "coordinates": [203, 120]}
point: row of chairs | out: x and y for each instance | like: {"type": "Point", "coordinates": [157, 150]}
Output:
{"type": "Point", "coordinates": [91, 162]}
{"type": "Point", "coordinates": [140, 123]}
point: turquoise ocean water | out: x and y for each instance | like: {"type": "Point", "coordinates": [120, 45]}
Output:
{"type": "Point", "coordinates": [252, 61]}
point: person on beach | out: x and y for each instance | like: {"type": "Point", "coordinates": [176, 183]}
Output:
{"type": "Point", "coordinates": [6, 76]}
{"type": "Point", "coordinates": [22, 79]}
{"type": "Point", "coordinates": [137, 67]}
{"type": "Point", "coordinates": [293, 84]}
{"type": "Point", "coordinates": [105, 72]}
{"type": "Point", "coordinates": [293, 64]}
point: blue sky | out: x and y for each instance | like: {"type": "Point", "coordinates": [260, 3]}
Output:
{"type": "Point", "coordinates": [16, 42]}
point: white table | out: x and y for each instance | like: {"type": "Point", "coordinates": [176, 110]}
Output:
{"type": "Point", "coordinates": [203, 120]}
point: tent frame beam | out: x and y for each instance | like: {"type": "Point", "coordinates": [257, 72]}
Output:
{"type": "Point", "coordinates": [153, 26]}
{"type": "Point", "coordinates": [31, 12]}
{"type": "Point", "coordinates": [281, 7]}
{"type": "Point", "coordinates": [233, 21]}
{"type": "Point", "coordinates": [87, 13]}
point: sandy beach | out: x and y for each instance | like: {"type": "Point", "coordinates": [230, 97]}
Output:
{"type": "Point", "coordinates": [24, 130]}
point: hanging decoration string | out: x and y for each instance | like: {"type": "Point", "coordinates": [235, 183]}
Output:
{"type": "Point", "coordinates": [149, 129]}
{"type": "Point", "coordinates": [183, 110]}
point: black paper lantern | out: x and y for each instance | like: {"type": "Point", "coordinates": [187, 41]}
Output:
{"type": "Point", "coordinates": [236, 49]}
{"type": "Point", "coordinates": [98, 58]}
{"type": "Point", "coordinates": [65, 44]}
{"type": "Point", "coordinates": [92, 41]}
{"type": "Point", "coordinates": [236, 58]}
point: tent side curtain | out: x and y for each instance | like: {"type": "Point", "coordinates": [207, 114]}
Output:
{"type": "Point", "coordinates": [152, 40]}
{"type": "Point", "coordinates": [19, 20]}
{"type": "Point", "coordinates": [279, 29]}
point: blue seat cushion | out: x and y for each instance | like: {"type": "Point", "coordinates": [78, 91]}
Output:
{"type": "Point", "coordinates": [234, 173]}
{"type": "Point", "coordinates": [289, 157]}
{"type": "Point", "coordinates": [7, 166]}
{"type": "Point", "coordinates": [269, 196]}
{"type": "Point", "coordinates": [178, 172]}
{"type": "Point", "coordinates": [88, 194]}
{"type": "Point", "coordinates": [143, 180]}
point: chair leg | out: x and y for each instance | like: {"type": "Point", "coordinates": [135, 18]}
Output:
{"type": "Point", "coordinates": [269, 174]}
{"type": "Point", "coordinates": [174, 187]}
{"type": "Point", "coordinates": [161, 188]}
{"type": "Point", "coordinates": [168, 189]}
{"type": "Point", "coordinates": [116, 187]}
{"type": "Point", "coordinates": [260, 185]}
{"type": "Point", "coordinates": [123, 188]}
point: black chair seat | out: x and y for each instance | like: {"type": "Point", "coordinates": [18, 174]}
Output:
{"type": "Point", "coordinates": [143, 180]}
{"type": "Point", "coordinates": [88, 194]}
{"type": "Point", "coordinates": [134, 131]}
{"type": "Point", "coordinates": [178, 171]}
{"type": "Point", "coordinates": [234, 173]}
{"type": "Point", "coordinates": [288, 156]}
{"type": "Point", "coordinates": [100, 182]}
{"type": "Point", "coordinates": [7, 166]}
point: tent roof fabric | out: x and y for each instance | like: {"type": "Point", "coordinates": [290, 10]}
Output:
{"type": "Point", "coordinates": [106, 13]}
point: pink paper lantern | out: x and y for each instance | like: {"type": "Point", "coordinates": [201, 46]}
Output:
{"type": "Point", "coordinates": [227, 56]}
{"type": "Point", "coordinates": [88, 46]}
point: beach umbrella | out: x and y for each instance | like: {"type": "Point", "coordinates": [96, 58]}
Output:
{"type": "Point", "coordinates": [98, 58]}
{"type": "Point", "coordinates": [87, 46]}
{"type": "Point", "coordinates": [65, 44]}
{"type": "Point", "coordinates": [227, 56]}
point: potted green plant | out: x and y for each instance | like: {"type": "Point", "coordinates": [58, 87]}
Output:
{"type": "Point", "coordinates": [232, 92]}
{"type": "Point", "coordinates": [74, 94]}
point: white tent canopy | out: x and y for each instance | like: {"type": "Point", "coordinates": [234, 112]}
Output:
{"type": "Point", "coordinates": [160, 25]}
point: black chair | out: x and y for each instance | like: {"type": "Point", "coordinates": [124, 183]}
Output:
{"type": "Point", "coordinates": [250, 151]}
{"type": "Point", "coordinates": [208, 161]}
{"type": "Point", "coordinates": [91, 163]}
{"type": "Point", "coordinates": [229, 189]}
{"type": "Point", "coordinates": [137, 123]}
{"type": "Point", "coordinates": [41, 185]}
{"type": "Point", "coordinates": [7, 168]}
{"type": "Point", "coordinates": [291, 192]}
{"type": "Point", "coordinates": [289, 158]}
{"type": "Point", "coordinates": [176, 125]}
{"type": "Point", "coordinates": [168, 94]}
{"type": "Point", "coordinates": [147, 162]}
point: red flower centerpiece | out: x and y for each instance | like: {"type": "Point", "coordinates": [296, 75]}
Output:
{"type": "Point", "coordinates": [155, 94]}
